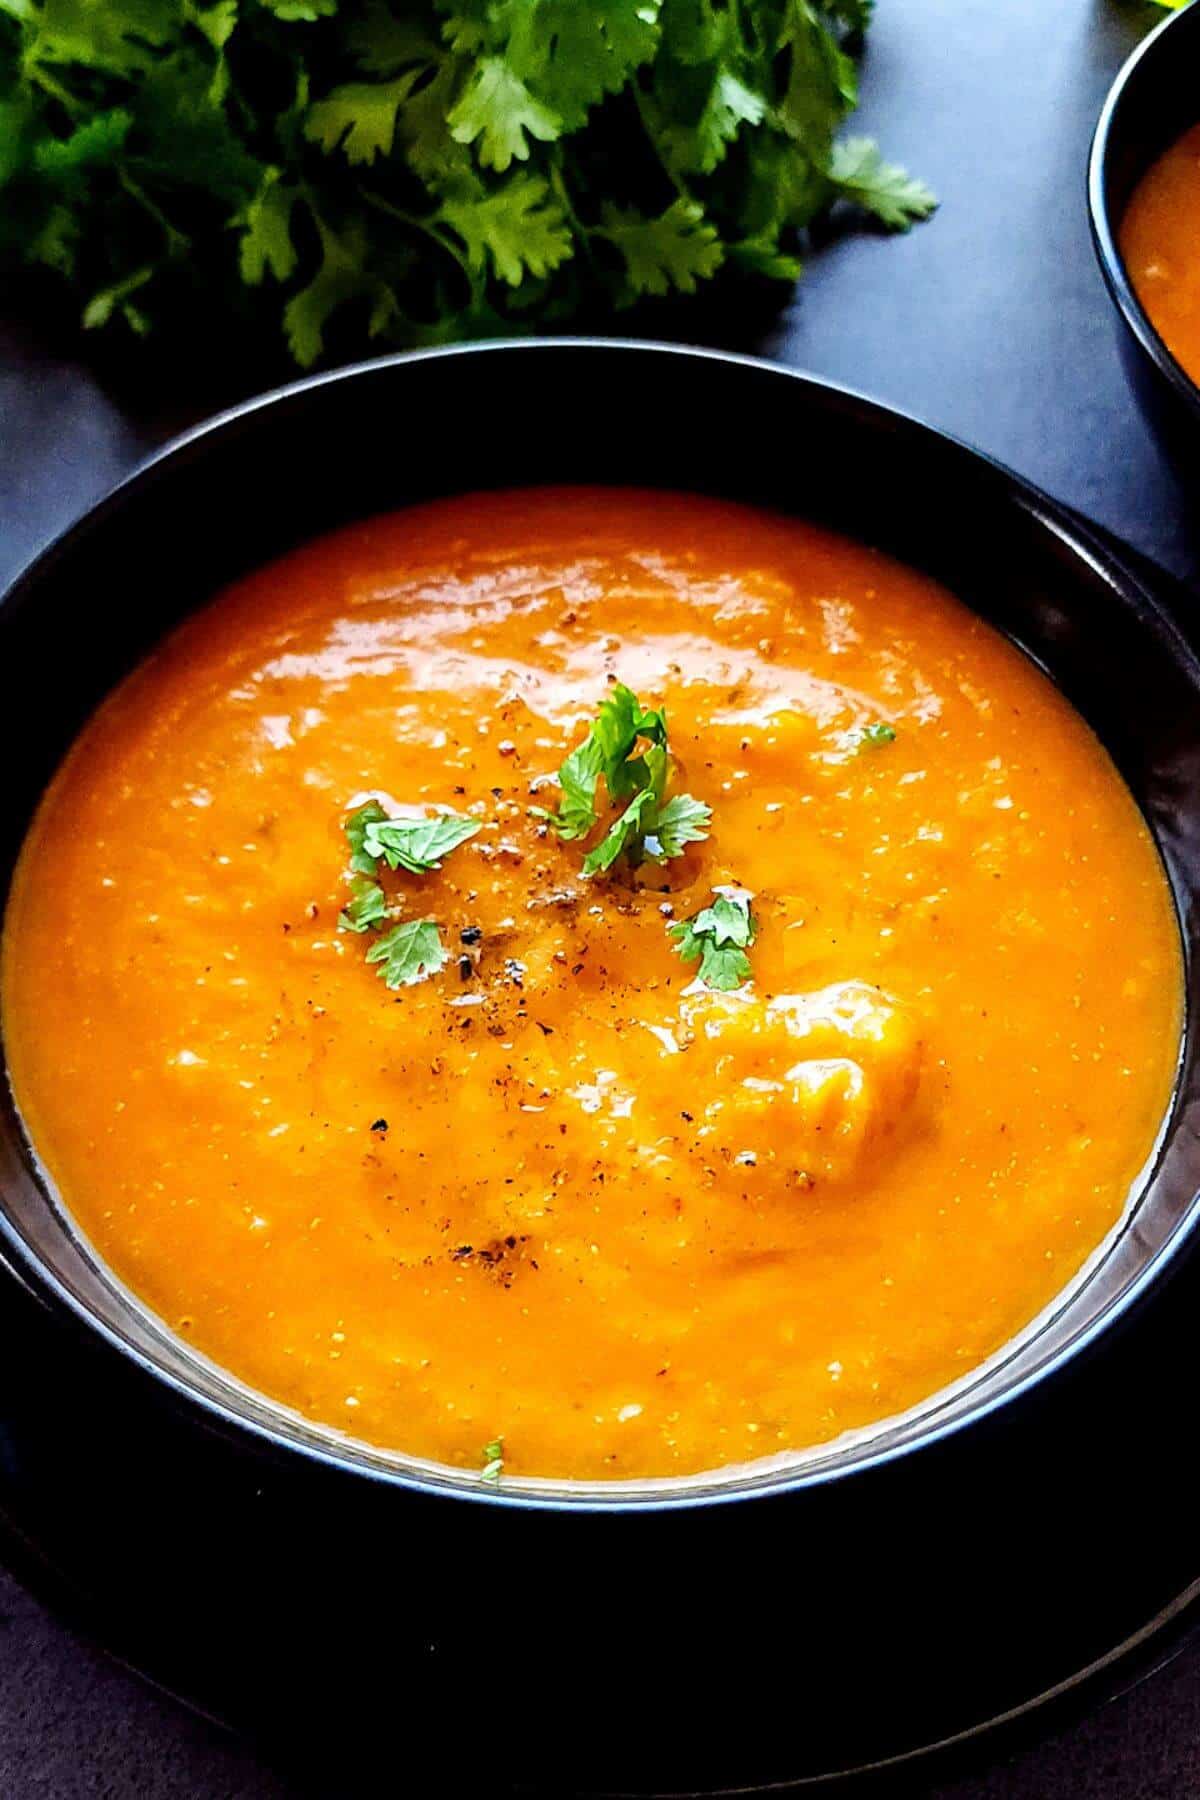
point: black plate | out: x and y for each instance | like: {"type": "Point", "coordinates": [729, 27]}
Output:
{"type": "Point", "coordinates": [777, 1627]}
{"type": "Point", "coordinates": [1152, 102]}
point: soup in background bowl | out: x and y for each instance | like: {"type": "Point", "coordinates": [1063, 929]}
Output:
{"type": "Point", "coordinates": [591, 1191]}
{"type": "Point", "coordinates": [1142, 202]}
{"type": "Point", "coordinates": [1160, 242]}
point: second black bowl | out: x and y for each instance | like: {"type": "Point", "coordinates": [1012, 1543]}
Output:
{"type": "Point", "coordinates": [1153, 101]}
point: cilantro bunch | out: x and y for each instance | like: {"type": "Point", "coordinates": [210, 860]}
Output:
{"type": "Point", "coordinates": [414, 171]}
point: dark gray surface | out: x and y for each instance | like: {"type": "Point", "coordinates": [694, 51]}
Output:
{"type": "Point", "coordinates": [991, 322]}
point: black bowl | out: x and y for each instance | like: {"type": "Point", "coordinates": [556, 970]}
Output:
{"type": "Point", "coordinates": [1152, 102]}
{"type": "Point", "coordinates": [959, 1568]}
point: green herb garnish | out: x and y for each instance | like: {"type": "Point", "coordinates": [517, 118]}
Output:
{"type": "Point", "coordinates": [683, 820]}
{"type": "Point", "coordinates": [651, 827]}
{"type": "Point", "coordinates": [408, 953]}
{"type": "Point", "coordinates": [493, 1461]}
{"type": "Point", "coordinates": [412, 950]}
{"type": "Point", "coordinates": [367, 909]}
{"type": "Point", "coordinates": [416, 845]}
{"type": "Point", "coordinates": [619, 723]}
{"type": "Point", "coordinates": [351, 171]}
{"type": "Point", "coordinates": [719, 935]}
{"type": "Point", "coordinates": [874, 737]}
{"type": "Point", "coordinates": [361, 861]}
{"type": "Point", "coordinates": [626, 834]}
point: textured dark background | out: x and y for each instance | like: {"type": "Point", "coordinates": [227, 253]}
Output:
{"type": "Point", "coordinates": [991, 322]}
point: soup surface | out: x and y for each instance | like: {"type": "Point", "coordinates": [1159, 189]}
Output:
{"type": "Point", "coordinates": [1160, 243]}
{"type": "Point", "coordinates": [561, 1194]}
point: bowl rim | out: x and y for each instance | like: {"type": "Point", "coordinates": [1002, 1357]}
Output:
{"type": "Point", "coordinates": [20, 1260]}
{"type": "Point", "coordinates": [1104, 228]}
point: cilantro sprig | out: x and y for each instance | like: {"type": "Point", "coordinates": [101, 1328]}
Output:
{"type": "Point", "coordinates": [719, 936]}
{"type": "Point", "coordinates": [412, 949]}
{"type": "Point", "coordinates": [626, 746]}
{"type": "Point", "coordinates": [409, 952]}
{"type": "Point", "coordinates": [367, 907]}
{"type": "Point", "coordinates": [417, 845]}
{"type": "Point", "coordinates": [493, 1462]}
{"type": "Point", "coordinates": [362, 861]}
{"type": "Point", "coordinates": [414, 171]}
{"type": "Point", "coordinates": [606, 750]}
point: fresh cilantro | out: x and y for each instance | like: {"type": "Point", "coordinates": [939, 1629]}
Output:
{"type": "Point", "coordinates": [620, 721]}
{"type": "Point", "coordinates": [415, 171]}
{"type": "Point", "coordinates": [380, 43]}
{"type": "Point", "coordinates": [99, 140]}
{"type": "Point", "coordinates": [729, 106]}
{"type": "Point", "coordinates": [409, 952]}
{"type": "Point", "coordinates": [517, 231]}
{"type": "Point", "coordinates": [266, 243]}
{"type": "Point", "coordinates": [623, 835]}
{"type": "Point", "coordinates": [719, 936]}
{"type": "Point", "coordinates": [651, 827]}
{"type": "Point", "coordinates": [367, 908]}
{"type": "Point", "coordinates": [493, 1461]}
{"type": "Point", "coordinates": [683, 820]}
{"type": "Point", "coordinates": [412, 950]}
{"type": "Point", "coordinates": [576, 55]}
{"type": "Point", "coordinates": [498, 110]}
{"type": "Point", "coordinates": [360, 118]}
{"type": "Point", "coordinates": [697, 146]}
{"type": "Point", "coordinates": [56, 242]}
{"type": "Point", "coordinates": [890, 194]}
{"type": "Point", "coordinates": [855, 14]}
{"type": "Point", "coordinates": [341, 277]}
{"type": "Point", "coordinates": [415, 845]}
{"type": "Point", "coordinates": [362, 861]}
{"type": "Point", "coordinates": [108, 300]}
{"type": "Point", "coordinates": [675, 250]}
{"type": "Point", "coordinates": [874, 737]}
{"type": "Point", "coordinates": [304, 12]}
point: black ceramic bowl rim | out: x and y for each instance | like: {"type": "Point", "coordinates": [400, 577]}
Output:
{"type": "Point", "coordinates": [1104, 227]}
{"type": "Point", "coordinates": [727, 1486]}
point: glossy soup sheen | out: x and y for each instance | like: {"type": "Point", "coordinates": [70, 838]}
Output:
{"type": "Point", "coordinates": [1160, 243]}
{"type": "Point", "coordinates": [558, 1196]}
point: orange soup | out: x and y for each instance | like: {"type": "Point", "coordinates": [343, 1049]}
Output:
{"type": "Point", "coordinates": [566, 1200]}
{"type": "Point", "coordinates": [1160, 244]}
